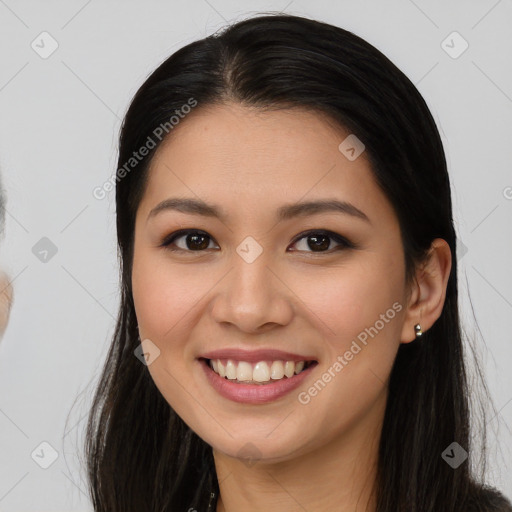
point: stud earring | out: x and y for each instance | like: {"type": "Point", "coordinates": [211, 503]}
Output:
{"type": "Point", "coordinates": [417, 330]}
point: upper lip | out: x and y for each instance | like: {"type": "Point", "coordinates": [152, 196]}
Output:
{"type": "Point", "coordinates": [254, 356]}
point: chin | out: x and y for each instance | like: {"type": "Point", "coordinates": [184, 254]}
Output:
{"type": "Point", "coordinates": [255, 449]}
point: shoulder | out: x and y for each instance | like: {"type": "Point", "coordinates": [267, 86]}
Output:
{"type": "Point", "coordinates": [488, 499]}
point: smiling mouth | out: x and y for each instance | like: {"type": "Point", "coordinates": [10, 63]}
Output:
{"type": "Point", "coordinates": [260, 373]}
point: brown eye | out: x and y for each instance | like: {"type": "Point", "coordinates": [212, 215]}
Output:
{"type": "Point", "coordinates": [193, 241]}
{"type": "Point", "coordinates": [320, 241]}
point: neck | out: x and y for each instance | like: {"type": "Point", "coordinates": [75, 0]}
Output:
{"type": "Point", "coordinates": [338, 475]}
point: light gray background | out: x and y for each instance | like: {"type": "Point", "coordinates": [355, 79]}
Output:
{"type": "Point", "coordinates": [59, 123]}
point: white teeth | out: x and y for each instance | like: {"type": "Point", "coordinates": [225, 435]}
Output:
{"type": "Point", "coordinates": [277, 370]}
{"type": "Point", "coordinates": [231, 372]}
{"type": "Point", "coordinates": [262, 372]}
{"type": "Point", "coordinates": [244, 371]}
{"type": "Point", "coordinates": [289, 368]}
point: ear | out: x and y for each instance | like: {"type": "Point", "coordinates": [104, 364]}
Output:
{"type": "Point", "coordinates": [428, 293]}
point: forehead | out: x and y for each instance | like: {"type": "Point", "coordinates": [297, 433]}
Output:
{"type": "Point", "coordinates": [247, 137]}
{"type": "Point", "coordinates": [255, 160]}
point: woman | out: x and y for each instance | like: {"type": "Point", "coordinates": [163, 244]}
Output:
{"type": "Point", "coordinates": [288, 336]}
{"type": "Point", "coordinates": [6, 290]}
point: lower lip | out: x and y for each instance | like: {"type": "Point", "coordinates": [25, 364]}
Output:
{"type": "Point", "coordinates": [254, 393]}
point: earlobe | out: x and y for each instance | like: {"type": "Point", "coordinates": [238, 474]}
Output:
{"type": "Point", "coordinates": [428, 297]}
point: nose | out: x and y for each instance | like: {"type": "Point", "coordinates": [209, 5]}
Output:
{"type": "Point", "coordinates": [253, 297]}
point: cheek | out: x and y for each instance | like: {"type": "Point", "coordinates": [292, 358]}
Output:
{"type": "Point", "coordinates": [164, 295]}
{"type": "Point", "coordinates": [349, 300]}
{"type": "Point", "coordinates": [164, 300]}
{"type": "Point", "coordinates": [359, 316]}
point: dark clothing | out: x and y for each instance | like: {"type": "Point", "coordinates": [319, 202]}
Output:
{"type": "Point", "coordinates": [488, 500]}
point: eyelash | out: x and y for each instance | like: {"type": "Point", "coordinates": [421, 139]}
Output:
{"type": "Point", "coordinates": [344, 243]}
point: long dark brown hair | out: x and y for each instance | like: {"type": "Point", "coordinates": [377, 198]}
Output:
{"type": "Point", "coordinates": [140, 455]}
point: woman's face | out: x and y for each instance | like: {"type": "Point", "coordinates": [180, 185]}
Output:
{"type": "Point", "coordinates": [247, 281]}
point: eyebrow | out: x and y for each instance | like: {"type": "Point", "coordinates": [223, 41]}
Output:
{"type": "Point", "coordinates": [286, 212]}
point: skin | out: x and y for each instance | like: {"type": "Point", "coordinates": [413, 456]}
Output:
{"type": "Point", "coordinates": [317, 456]}
{"type": "Point", "coordinates": [6, 297]}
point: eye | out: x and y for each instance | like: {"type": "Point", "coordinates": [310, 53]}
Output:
{"type": "Point", "coordinates": [318, 241]}
{"type": "Point", "coordinates": [195, 240]}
